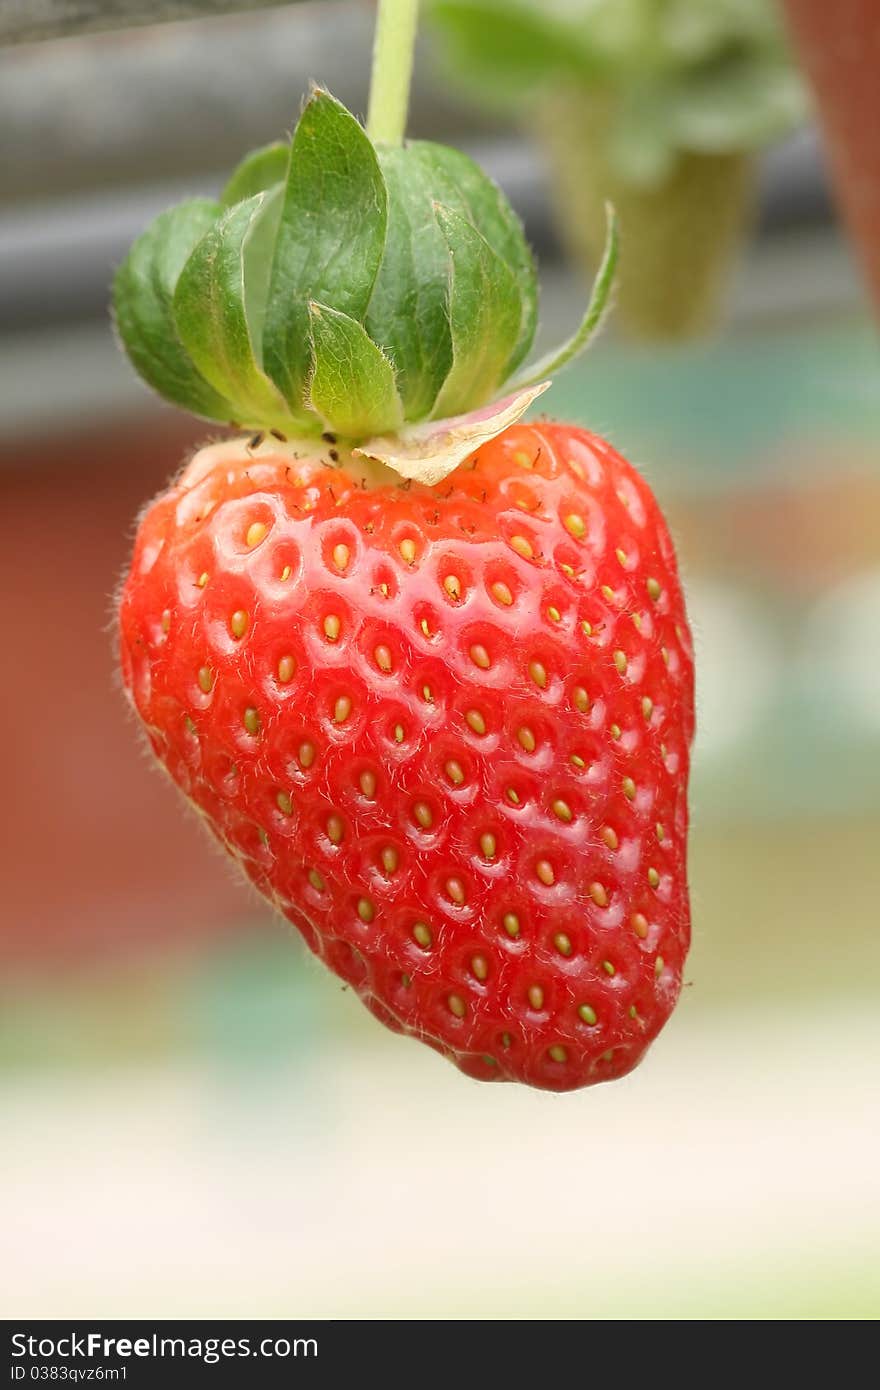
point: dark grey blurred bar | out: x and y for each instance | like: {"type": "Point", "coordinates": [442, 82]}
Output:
{"type": "Point", "coordinates": [172, 101]}
{"type": "Point", "coordinates": [30, 21]}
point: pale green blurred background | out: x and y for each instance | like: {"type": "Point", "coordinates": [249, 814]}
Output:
{"type": "Point", "coordinates": [197, 1119]}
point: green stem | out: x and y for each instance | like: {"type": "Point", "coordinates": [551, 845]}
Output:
{"type": "Point", "coordinates": [392, 70]}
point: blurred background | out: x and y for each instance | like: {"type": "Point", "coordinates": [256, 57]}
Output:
{"type": "Point", "coordinates": [197, 1119]}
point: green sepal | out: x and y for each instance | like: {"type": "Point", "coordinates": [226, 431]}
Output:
{"type": "Point", "coordinates": [330, 237]}
{"type": "Point", "coordinates": [257, 172]}
{"type": "Point", "coordinates": [428, 452]}
{"type": "Point", "coordinates": [461, 185]}
{"type": "Point", "coordinates": [386, 295]}
{"type": "Point", "coordinates": [220, 305]}
{"type": "Point", "coordinates": [409, 310]}
{"type": "Point", "coordinates": [597, 307]}
{"type": "Point", "coordinates": [408, 305]}
{"type": "Point", "coordinates": [352, 385]}
{"type": "Point", "coordinates": [143, 292]}
{"type": "Point", "coordinates": [485, 314]}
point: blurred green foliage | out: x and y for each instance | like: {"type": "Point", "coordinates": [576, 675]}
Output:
{"type": "Point", "coordinates": [699, 76]}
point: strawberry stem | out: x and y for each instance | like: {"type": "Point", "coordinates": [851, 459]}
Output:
{"type": "Point", "coordinates": [392, 70]}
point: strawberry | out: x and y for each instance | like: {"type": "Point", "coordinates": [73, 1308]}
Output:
{"type": "Point", "coordinates": [444, 730]}
{"type": "Point", "coordinates": [424, 670]}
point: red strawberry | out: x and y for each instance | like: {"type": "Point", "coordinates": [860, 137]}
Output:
{"type": "Point", "coordinates": [442, 723]}
{"type": "Point", "coordinates": [445, 730]}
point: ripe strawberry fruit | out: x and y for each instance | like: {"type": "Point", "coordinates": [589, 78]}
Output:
{"type": "Point", "coordinates": [444, 730]}
{"type": "Point", "coordinates": [425, 671]}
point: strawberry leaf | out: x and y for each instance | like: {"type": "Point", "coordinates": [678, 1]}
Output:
{"type": "Point", "coordinates": [507, 49]}
{"type": "Point", "coordinates": [352, 386]}
{"type": "Point", "coordinates": [737, 105]}
{"type": "Point", "coordinates": [641, 145]}
{"type": "Point", "coordinates": [330, 237]}
{"type": "Point", "coordinates": [143, 292]}
{"type": "Point", "coordinates": [485, 315]}
{"type": "Point", "coordinates": [219, 306]}
{"type": "Point", "coordinates": [258, 171]}
{"type": "Point", "coordinates": [718, 74]}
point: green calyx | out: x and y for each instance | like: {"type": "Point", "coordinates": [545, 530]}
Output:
{"type": "Point", "coordinates": [337, 286]}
